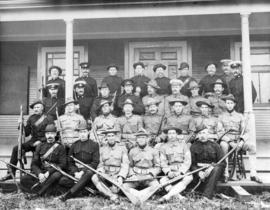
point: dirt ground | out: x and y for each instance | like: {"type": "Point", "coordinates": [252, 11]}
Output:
{"type": "Point", "coordinates": [18, 201]}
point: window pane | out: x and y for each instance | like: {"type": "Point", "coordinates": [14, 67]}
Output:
{"type": "Point", "coordinates": [260, 59]}
{"type": "Point", "coordinates": [265, 87]}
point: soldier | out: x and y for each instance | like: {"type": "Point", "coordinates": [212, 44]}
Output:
{"type": "Point", "coordinates": [237, 87]}
{"type": "Point", "coordinates": [235, 121]}
{"type": "Point", "coordinates": [113, 80]}
{"type": "Point", "coordinates": [86, 151]}
{"type": "Point", "coordinates": [53, 101]}
{"type": "Point", "coordinates": [91, 90]}
{"type": "Point", "coordinates": [51, 152]}
{"type": "Point", "coordinates": [205, 152]}
{"type": "Point", "coordinates": [55, 72]}
{"type": "Point", "coordinates": [144, 163]}
{"type": "Point", "coordinates": [194, 96]}
{"type": "Point", "coordinates": [85, 102]}
{"type": "Point", "coordinates": [209, 79]}
{"type": "Point", "coordinates": [104, 121]}
{"type": "Point", "coordinates": [227, 75]}
{"type": "Point", "coordinates": [175, 161]}
{"type": "Point", "coordinates": [104, 95]}
{"type": "Point", "coordinates": [216, 99]}
{"type": "Point", "coordinates": [129, 124]}
{"type": "Point", "coordinates": [185, 78]}
{"type": "Point", "coordinates": [114, 162]}
{"type": "Point", "coordinates": [162, 81]}
{"type": "Point", "coordinates": [152, 89]}
{"type": "Point", "coordinates": [139, 79]}
{"type": "Point", "coordinates": [69, 122]}
{"type": "Point", "coordinates": [128, 94]}
{"type": "Point", "coordinates": [35, 126]}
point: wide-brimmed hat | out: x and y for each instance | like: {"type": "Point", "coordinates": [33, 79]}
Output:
{"type": "Point", "coordinates": [69, 101]}
{"type": "Point", "coordinates": [57, 68]}
{"type": "Point", "coordinates": [50, 128]}
{"type": "Point", "coordinates": [220, 82]}
{"type": "Point", "coordinates": [178, 130]}
{"type": "Point", "coordinates": [176, 82]}
{"type": "Point", "coordinates": [180, 99]}
{"type": "Point", "coordinates": [36, 102]}
{"type": "Point", "coordinates": [110, 130]}
{"type": "Point", "coordinates": [138, 64]}
{"type": "Point", "coordinates": [142, 132]}
{"type": "Point", "coordinates": [183, 65]}
{"type": "Point", "coordinates": [229, 97]}
{"type": "Point", "coordinates": [152, 83]}
{"type": "Point", "coordinates": [103, 102]}
{"type": "Point", "coordinates": [159, 65]}
{"type": "Point", "coordinates": [205, 102]}
{"type": "Point", "coordinates": [193, 84]}
{"type": "Point", "coordinates": [128, 101]}
{"type": "Point", "coordinates": [152, 101]}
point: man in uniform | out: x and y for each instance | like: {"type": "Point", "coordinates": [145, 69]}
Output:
{"type": "Point", "coordinates": [35, 127]}
{"type": "Point", "coordinates": [129, 124]}
{"type": "Point", "coordinates": [86, 151]}
{"type": "Point", "coordinates": [175, 161]}
{"type": "Point", "coordinates": [114, 162]}
{"type": "Point", "coordinates": [162, 81]}
{"type": "Point", "coordinates": [237, 88]}
{"type": "Point", "coordinates": [51, 152]}
{"type": "Point", "coordinates": [55, 72]}
{"type": "Point", "coordinates": [194, 96]}
{"type": "Point", "coordinates": [128, 85]}
{"type": "Point", "coordinates": [205, 152]}
{"type": "Point", "coordinates": [185, 78]}
{"type": "Point", "coordinates": [144, 163]}
{"type": "Point", "coordinates": [113, 80]}
{"type": "Point", "coordinates": [139, 80]}
{"type": "Point", "coordinates": [227, 75]}
{"type": "Point", "coordinates": [232, 120]}
{"type": "Point", "coordinates": [152, 89]}
{"type": "Point", "coordinates": [69, 122]}
{"type": "Point", "coordinates": [91, 90]}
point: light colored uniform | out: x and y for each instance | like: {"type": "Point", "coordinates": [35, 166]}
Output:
{"type": "Point", "coordinates": [220, 105]}
{"type": "Point", "coordinates": [157, 97]}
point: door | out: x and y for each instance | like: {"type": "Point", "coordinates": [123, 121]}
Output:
{"type": "Point", "coordinates": [169, 53]}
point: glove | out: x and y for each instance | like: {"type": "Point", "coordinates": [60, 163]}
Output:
{"type": "Point", "coordinates": [42, 178]}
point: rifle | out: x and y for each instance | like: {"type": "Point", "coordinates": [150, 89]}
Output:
{"type": "Point", "coordinates": [96, 135]}
{"type": "Point", "coordinates": [21, 139]}
{"type": "Point", "coordinates": [59, 124]}
{"type": "Point", "coordinates": [152, 141]}
{"type": "Point", "coordinates": [90, 190]}
{"type": "Point", "coordinates": [125, 190]}
{"type": "Point", "coordinates": [76, 99]}
{"type": "Point", "coordinates": [114, 98]}
{"type": "Point", "coordinates": [143, 179]}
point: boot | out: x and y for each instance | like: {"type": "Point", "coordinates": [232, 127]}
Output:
{"type": "Point", "coordinates": [65, 196]}
{"type": "Point", "coordinates": [5, 178]}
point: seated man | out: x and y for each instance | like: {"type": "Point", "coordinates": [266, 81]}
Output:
{"type": "Point", "coordinates": [144, 163]}
{"type": "Point", "coordinates": [204, 152]}
{"type": "Point", "coordinates": [86, 151]}
{"type": "Point", "coordinates": [53, 153]}
{"type": "Point", "coordinates": [114, 163]}
{"type": "Point", "coordinates": [175, 161]}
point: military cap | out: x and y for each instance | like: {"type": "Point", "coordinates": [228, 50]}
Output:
{"type": "Point", "coordinates": [178, 130]}
{"type": "Point", "coordinates": [127, 82]}
{"type": "Point", "coordinates": [229, 97]}
{"type": "Point", "coordinates": [103, 85]}
{"type": "Point", "coordinates": [36, 102]}
{"type": "Point", "coordinates": [152, 101]}
{"type": "Point", "coordinates": [110, 130]}
{"type": "Point", "coordinates": [180, 99]}
{"type": "Point", "coordinates": [113, 65]}
{"type": "Point", "coordinates": [176, 82]}
{"type": "Point", "coordinates": [84, 65]}
{"type": "Point", "coordinates": [128, 101]}
{"type": "Point", "coordinates": [138, 64]}
{"type": "Point", "coordinates": [57, 68]}
{"type": "Point", "coordinates": [82, 126]}
{"type": "Point", "coordinates": [198, 130]}
{"type": "Point", "coordinates": [205, 102]}
{"type": "Point", "coordinates": [208, 94]}
{"type": "Point", "coordinates": [103, 102]}
{"type": "Point", "coordinates": [195, 111]}
{"type": "Point", "coordinates": [225, 62]}
{"type": "Point", "coordinates": [80, 83]}
{"type": "Point", "coordinates": [193, 84]}
{"type": "Point", "coordinates": [159, 65]}
{"type": "Point", "coordinates": [69, 101]}
{"type": "Point", "coordinates": [183, 65]}
{"type": "Point", "coordinates": [152, 83]}
{"type": "Point", "coordinates": [50, 128]}
{"type": "Point", "coordinates": [52, 85]}
{"type": "Point", "coordinates": [235, 64]}
{"type": "Point", "coordinates": [220, 82]}
{"type": "Point", "coordinates": [142, 132]}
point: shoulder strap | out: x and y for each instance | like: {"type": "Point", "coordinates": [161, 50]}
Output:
{"type": "Point", "coordinates": [50, 151]}
{"type": "Point", "coordinates": [40, 120]}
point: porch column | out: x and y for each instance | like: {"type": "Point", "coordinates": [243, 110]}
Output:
{"type": "Point", "coordinates": [247, 76]}
{"type": "Point", "coordinates": [69, 58]}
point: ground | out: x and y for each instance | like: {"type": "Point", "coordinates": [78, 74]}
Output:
{"type": "Point", "coordinates": [17, 201]}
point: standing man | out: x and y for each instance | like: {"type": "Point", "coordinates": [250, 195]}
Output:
{"type": "Point", "coordinates": [185, 78]}
{"type": "Point", "coordinates": [175, 161]}
{"type": "Point", "coordinates": [91, 90]}
{"type": "Point", "coordinates": [237, 87]}
{"type": "Point", "coordinates": [35, 126]}
{"type": "Point", "coordinates": [86, 151]}
{"type": "Point", "coordinates": [227, 75]}
{"type": "Point", "coordinates": [51, 152]}
{"type": "Point", "coordinates": [114, 162]}
{"type": "Point", "coordinates": [113, 80]}
{"type": "Point", "coordinates": [139, 79]}
{"type": "Point", "coordinates": [162, 81]}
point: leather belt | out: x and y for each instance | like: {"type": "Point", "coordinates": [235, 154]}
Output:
{"type": "Point", "coordinates": [112, 168]}
{"type": "Point", "coordinates": [141, 170]}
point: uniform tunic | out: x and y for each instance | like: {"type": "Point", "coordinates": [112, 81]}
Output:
{"type": "Point", "coordinates": [140, 81]}
{"type": "Point", "coordinates": [61, 88]}
{"type": "Point", "coordinates": [182, 121]}
{"type": "Point", "coordinates": [165, 86]}
{"type": "Point", "coordinates": [220, 105]}
{"type": "Point", "coordinates": [161, 105]}
{"type": "Point", "coordinates": [94, 109]}
{"type": "Point", "coordinates": [49, 102]}
{"type": "Point", "coordinates": [85, 106]}
{"type": "Point", "coordinates": [206, 83]}
{"type": "Point", "coordinates": [137, 102]}
{"type": "Point", "coordinates": [114, 83]}
{"type": "Point", "coordinates": [151, 123]}
{"type": "Point", "coordinates": [169, 98]}
{"type": "Point", "coordinates": [186, 80]}
{"type": "Point", "coordinates": [91, 88]}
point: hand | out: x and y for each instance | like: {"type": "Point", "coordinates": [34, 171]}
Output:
{"type": "Point", "coordinates": [202, 176]}
{"type": "Point", "coordinates": [171, 175]}
{"type": "Point", "coordinates": [120, 180]}
{"type": "Point", "coordinates": [78, 175]}
{"type": "Point", "coordinates": [47, 174]}
{"type": "Point", "coordinates": [208, 171]}
{"type": "Point", "coordinates": [42, 178]}
{"type": "Point", "coordinates": [36, 143]}
{"type": "Point", "coordinates": [19, 120]}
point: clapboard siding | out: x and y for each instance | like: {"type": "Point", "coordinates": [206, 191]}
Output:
{"type": "Point", "coordinates": [262, 120]}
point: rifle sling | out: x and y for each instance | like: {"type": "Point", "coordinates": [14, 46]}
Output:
{"type": "Point", "coordinates": [50, 151]}
{"type": "Point", "coordinates": [40, 120]}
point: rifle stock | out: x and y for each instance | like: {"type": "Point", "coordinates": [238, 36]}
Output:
{"type": "Point", "coordinates": [21, 139]}
{"type": "Point", "coordinates": [59, 126]}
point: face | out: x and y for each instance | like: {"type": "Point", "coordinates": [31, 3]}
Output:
{"type": "Point", "coordinates": [142, 141]}
{"type": "Point", "coordinates": [128, 88]}
{"type": "Point", "coordinates": [38, 109]}
{"type": "Point", "coordinates": [70, 108]}
{"type": "Point", "coordinates": [83, 135]}
{"type": "Point", "coordinates": [153, 108]}
{"type": "Point", "coordinates": [172, 135]}
{"type": "Point", "coordinates": [104, 92]}
{"type": "Point", "coordinates": [194, 91]}
{"type": "Point", "coordinates": [79, 91]}
{"type": "Point", "coordinates": [128, 108]}
{"type": "Point", "coordinates": [203, 135]}
{"type": "Point", "coordinates": [184, 72]}
{"type": "Point", "coordinates": [178, 107]}
{"type": "Point", "coordinates": [139, 70]}
{"type": "Point", "coordinates": [230, 105]}
{"type": "Point", "coordinates": [204, 109]}
{"type": "Point", "coordinates": [226, 69]}
{"type": "Point", "coordinates": [106, 109]}
{"type": "Point", "coordinates": [112, 71]}
{"type": "Point", "coordinates": [176, 89]}
{"type": "Point", "coordinates": [85, 71]}
{"type": "Point", "coordinates": [151, 90]}
{"type": "Point", "coordinates": [50, 136]}
{"type": "Point", "coordinates": [53, 92]}
{"type": "Point", "coordinates": [236, 71]}
{"type": "Point", "coordinates": [218, 88]}
{"type": "Point", "coordinates": [54, 73]}
{"type": "Point", "coordinates": [111, 138]}
{"type": "Point", "coordinates": [211, 69]}
{"type": "Point", "coordinates": [160, 72]}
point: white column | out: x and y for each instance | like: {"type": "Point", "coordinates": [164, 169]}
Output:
{"type": "Point", "coordinates": [69, 58]}
{"type": "Point", "coordinates": [247, 75]}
